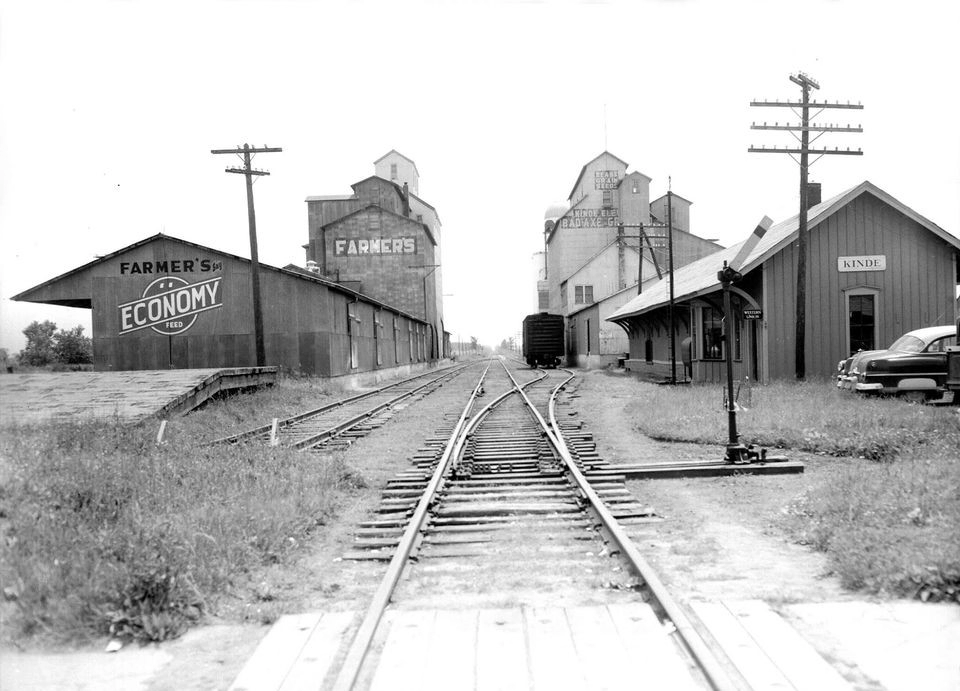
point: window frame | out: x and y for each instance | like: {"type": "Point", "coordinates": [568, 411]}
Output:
{"type": "Point", "coordinates": [861, 291]}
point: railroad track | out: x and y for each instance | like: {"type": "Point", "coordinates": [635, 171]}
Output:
{"type": "Point", "coordinates": [340, 423]}
{"type": "Point", "coordinates": [500, 498]}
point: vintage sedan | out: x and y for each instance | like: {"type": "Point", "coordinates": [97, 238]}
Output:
{"type": "Point", "coordinates": [914, 366]}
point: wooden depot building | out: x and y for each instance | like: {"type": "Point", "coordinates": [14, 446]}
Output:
{"type": "Point", "coordinates": [876, 269]}
{"type": "Point", "coordinates": [165, 303]}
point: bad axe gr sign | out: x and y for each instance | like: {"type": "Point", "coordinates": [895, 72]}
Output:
{"type": "Point", "coordinates": [170, 305]}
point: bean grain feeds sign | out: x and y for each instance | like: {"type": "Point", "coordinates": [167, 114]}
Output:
{"type": "Point", "coordinates": [606, 179]}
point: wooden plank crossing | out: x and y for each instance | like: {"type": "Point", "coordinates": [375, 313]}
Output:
{"type": "Point", "coordinates": [766, 651]}
{"type": "Point", "coordinates": [622, 646]}
{"type": "Point", "coordinates": [540, 649]}
{"type": "Point", "coordinates": [295, 654]}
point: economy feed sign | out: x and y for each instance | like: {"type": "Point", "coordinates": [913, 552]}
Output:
{"type": "Point", "coordinates": [169, 305]}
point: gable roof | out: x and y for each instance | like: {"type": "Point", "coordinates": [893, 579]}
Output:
{"type": "Point", "coordinates": [361, 210]}
{"type": "Point", "coordinates": [25, 295]}
{"type": "Point", "coordinates": [405, 158]}
{"type": "Point", "coordinates": [397, 187]}
{"type": "Point", "coordinates": [584, 170]}
{"type": "Point", "coordinates": [634, 174]}
{"type": "Point", "coordinates": [700, 277]}
{"type": "Point", "coordinates": [675, 196]}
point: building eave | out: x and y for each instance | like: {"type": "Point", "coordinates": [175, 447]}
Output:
{"type": "Point", "coordinates": [24, 296]}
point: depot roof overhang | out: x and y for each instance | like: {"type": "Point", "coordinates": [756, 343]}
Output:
{"type": "Point", "coordinates": [700, 277]}
{"type": "Point", "coordinates": [44, 292]}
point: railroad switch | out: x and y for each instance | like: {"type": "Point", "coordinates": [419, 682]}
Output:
{"type": "Point", "coordinates": [740, 454]}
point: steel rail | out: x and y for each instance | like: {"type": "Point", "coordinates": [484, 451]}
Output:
{"type": "Point", "coordinates": [264, 429]}
{"type": "Point", "coordinates": [360, 644]}
{"type": "Point", "coordinates": [360, 417]}
{"type": "Point", "coordinates": [716, 677]}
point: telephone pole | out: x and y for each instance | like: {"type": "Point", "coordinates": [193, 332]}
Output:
{"type": "Point", "coordinates": [804, 128]}
{"type": "Point", "coordinates": [245, 152]}
{"type": "Point", "coordinates": [644, 237]}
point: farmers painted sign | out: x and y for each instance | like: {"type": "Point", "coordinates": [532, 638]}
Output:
{"type": "Point", "coordinates": [170, 305]}
{"type": "Point", "coordinates": [345, 247]}
{"type": "Point", "coordinates": [875, 262]}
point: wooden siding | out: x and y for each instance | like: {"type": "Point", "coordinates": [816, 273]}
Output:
{"type": "Point", "coordinates": [304, 320]}
{"type": "Point", "coordinates": [917, 288]}
{"type": "Point", "coordinates": [577, 332]}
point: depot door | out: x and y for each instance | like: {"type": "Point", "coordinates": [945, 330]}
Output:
{"type": "Point", "coordinates": [862, 322]}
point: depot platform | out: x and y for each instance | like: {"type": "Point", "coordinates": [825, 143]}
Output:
{"type": "Point", "coordinates": [129, 396]}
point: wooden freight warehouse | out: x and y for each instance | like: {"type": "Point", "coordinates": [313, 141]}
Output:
{"type": "Point", "coordinates": [876, 269]}
{"type": "Point", "coordinates": [167, 303]}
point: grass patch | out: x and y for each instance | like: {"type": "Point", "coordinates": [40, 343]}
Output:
{"type": "Point", "coordinates": [893, 530]}
{"type": "Point", "coordinates": [888, 529]}
{"type": "Point", "coordinates": [103, 532]}
{"type": "Point", "coordinates": [813, 416]}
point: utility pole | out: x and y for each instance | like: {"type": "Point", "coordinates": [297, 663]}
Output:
{"type": "Point", "coordinates": [673, 349]}
{"type": "Point", "coordinates": [245, 152]}
{"type": "Point", "coordinates": [643, 236]}
{"type": "Point", "coordinates": [805, 128]}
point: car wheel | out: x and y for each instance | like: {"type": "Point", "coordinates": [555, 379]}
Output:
{"type": "Point", "coordinates": [914, 396]}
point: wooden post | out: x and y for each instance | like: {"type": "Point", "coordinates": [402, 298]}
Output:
{"type": "Point", "coordinates": [275, 433]}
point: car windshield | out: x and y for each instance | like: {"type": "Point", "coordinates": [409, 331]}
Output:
{"type": "Point", "coordinates": [908, 344]}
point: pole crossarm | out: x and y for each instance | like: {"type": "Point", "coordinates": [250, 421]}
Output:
{"type": "Point", "coordinates": [643, 225]}
{"type": "Point", "coordinates": [244, 171]}
{"type": "Point", "coordinates": [811, 104]}
{"type": "Point", "coordinates": [251, 149]}
{"type": "Point", "coordinates": [809, 128]}
{"type": "Point", "coordinates": [820, 152]}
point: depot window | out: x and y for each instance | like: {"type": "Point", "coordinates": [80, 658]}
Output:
{"type": "Point", "coordinates": [711, 321]}
{"type": "Point", "coordinates": [583, 295]}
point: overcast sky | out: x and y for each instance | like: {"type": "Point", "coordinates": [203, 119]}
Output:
{"type": "Point", "coordinates": [110, 109]}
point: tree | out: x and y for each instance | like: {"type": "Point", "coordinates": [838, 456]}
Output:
{"type": "Point", "coordinates": [473, 344]}
{"type": "Point", "coordinates": [72, 347]}
{"type": "Point", "coordinates": [39, 350]}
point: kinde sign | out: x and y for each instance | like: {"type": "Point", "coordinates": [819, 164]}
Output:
{"type": "Point", "coordinates": [873, 262]}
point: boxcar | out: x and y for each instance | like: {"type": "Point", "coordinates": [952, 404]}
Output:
{"type": "Point", "coordinates": [543, 339]}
